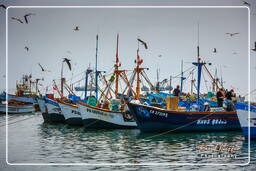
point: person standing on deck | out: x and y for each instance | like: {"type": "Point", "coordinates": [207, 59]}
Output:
{"type": "Point", "coordinates": [220, 97]}
{"type": "Point", "coordinates": [231, 95]}
{"type": "Point", "coordinates": [176, 91]}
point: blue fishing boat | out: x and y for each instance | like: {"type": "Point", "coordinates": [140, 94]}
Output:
{"type": "Point", "coordinates": [53, 112]}
{"type": "Point", "coordinates": [155, 119]}
{"type": "Point", "coordinates": [247, 123]}
{"type": "Point", "coordinates": [199, 117]}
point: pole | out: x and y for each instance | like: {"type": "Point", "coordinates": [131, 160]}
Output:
{"type": "Point", "coordinates": [138, 76]}
{"type": "Point", "coordinates": [61, 79]}
{"type": "Point", "coordinates": [116, 67]}
{"type": "Point", "coordinates": [96, 69]}
{"type": "Point", "coordinates": [192, 82]}
{"type": "Point", "coordinates": [170, 84]}
{"type": "Point", "coordinates": [182, 78]}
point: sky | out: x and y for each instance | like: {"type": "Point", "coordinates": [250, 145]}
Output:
{"type": "Point", "coordinates": [169, 32]}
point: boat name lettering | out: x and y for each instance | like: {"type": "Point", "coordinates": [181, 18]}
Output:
{"type": "Point", "coordinates": [100, 113]}
{"type": "Point", "coordinates": [211, 122]}
{"type": "Point", "coordinates": [158, 113]}
{"type": "Point", "coordinates": [75, 112]}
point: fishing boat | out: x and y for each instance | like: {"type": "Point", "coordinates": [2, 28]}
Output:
{"type": "Point", "coordinates": [172, 118]}
{"type": "Point", "coordinates": [95, 116]}
{"type": "Point", "coordinates": [16, 107]}
{"type": "Point", "coordinates": [100, 118]}
{"type": "Point", "coordinates": [155, 119]}
{"type": "Point", "coordinates": [247, 123]}
{"type": "Point", "coordinates": [53, 112]}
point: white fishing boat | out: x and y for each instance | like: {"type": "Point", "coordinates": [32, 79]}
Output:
{"type": "Point", "coordinates": [71, 113]}
{"type": "Point", "coordinates": [53, 112]}
{"type": "Point", "coordinates": [247, 122]}
{"type": "Point", "coordinates": [99, 118]}
{"type": "Point", "coordinates": [15, 107]}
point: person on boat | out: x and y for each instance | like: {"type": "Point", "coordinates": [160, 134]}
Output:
{"type": "Point", "coordinates": [230, 100]}
{"type": "Point", "coordinates": [220, 97]}
{"type": "Point", "coordinates": [231, 95]}
{"type": "Point", "coordinates": [176, 91]}
{"type": "Point", "coordinates": [207, 107]}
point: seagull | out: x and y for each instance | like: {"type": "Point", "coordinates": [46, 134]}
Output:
{"type": "Point", "coordinates": [214, 50]}
{"type": "Point", "coordinates": [3, 6]}
{"type": "Point", "coordinates": [234, 53]}
{"type": "Point", "coordinates": [68, 62]}
{"type": "Point", "coordinates": [27, 48]}
{"type": "Point", "coordinates": [246, 3]}
{"type": "Point", "coordinates": [232, 34]}
{"type": "Point", "coordinates": [76, 28]}
{"type": "Point", "coordinates": [159, 56]}
{"type": "Point", "coordinates": [26, 17]}
{"type": "Point", "coordinates": [254, 47]}
{"type": "Point", "coordinates": [42, 69]}
{"type": "Point", "coordinates": [17, 19]}
{"type": "Point", "coordinates": [144, 43]}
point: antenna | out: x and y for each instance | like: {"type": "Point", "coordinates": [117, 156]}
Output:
{"type": "Point", "coordinates": [198, 53]}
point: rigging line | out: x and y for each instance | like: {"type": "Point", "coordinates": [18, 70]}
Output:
{"type": "Point", "coordinates": [178, 127]}
{"type": "Point", "coordinates": [184, 72]}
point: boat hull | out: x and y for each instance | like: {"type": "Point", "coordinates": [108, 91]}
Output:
{"type": "Point", "coordinates": [54, 114]}
{"type": "Point", "coordinates": [153, 119]}
{"type": "Point", "coordinates": [17, 109]}
{"type": "Point", "coordinates": [71, 114]}
{"type": "Point", "coordinates": [94, 118]}
{"type": "Point", "coordinates": [247, 123]}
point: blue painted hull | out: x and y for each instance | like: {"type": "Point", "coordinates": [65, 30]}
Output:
{"type": "Point", "coordinates": [151, 119]}
{"type": "Point", "coordinates": [252, 131]}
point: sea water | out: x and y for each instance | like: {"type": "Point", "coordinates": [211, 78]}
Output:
{"type": "Point", "coordinates": [31, 141]}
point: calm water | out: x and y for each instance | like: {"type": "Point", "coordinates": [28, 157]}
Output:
{"type": "Point", "coordinates": [32, 141]}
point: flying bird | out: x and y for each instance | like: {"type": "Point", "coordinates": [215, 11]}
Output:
{"type": "Point", "coordinates": [214, 50]}
{"type": "Point", "coordinates": [27, 48]}
{"type": "Point", "coordinates": [68, 62]}
{"type": "Point", "coordinates": [144, 43]}
{"type": "Point", "coordinates": [234, 53]}
{"type": "Point", "coordinates": [246, 3]}
{"type": "Point", "coordinates": [69, 51]}
{"type": "Point", "coordinates": [232, 34]}
{"type": "Point", "coordinates": [26, 17]}
{"type": "Point", "coordinates": [3, 6]}
{"type": "Point", "coordinates": [159, 56]}
{"type": "Point", "coordinates": [17, 19]}
{"type": "Point", "coordinates": [43, 70]}
{"type": "Point", "coordinates": [76, 28]}
{"type": "Point", "coordinates": [254, 47]}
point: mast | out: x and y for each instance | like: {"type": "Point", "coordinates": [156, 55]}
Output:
{"type": "Point", "coordinates": [199, 65]}
{"type": "Point", "coordinates": [182, 78]}
{"type": "Point", "coordinates": [170, 84]}
{"type": "Point", "coordinates": [88, 71]}
{"type": "Point", "coordinates": [138, 76]}
{"type": "Point", "coordinates": [62, 80]}
{"type": "Point", "coordinates": [96, 69]}
{"type": "Point", "coordinates": [117, 67]}
{"type": "Point", "coordinates": [192, 82]}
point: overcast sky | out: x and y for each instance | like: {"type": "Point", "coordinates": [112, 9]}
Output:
{"type": "Point", "coordinates": [169, 32]}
